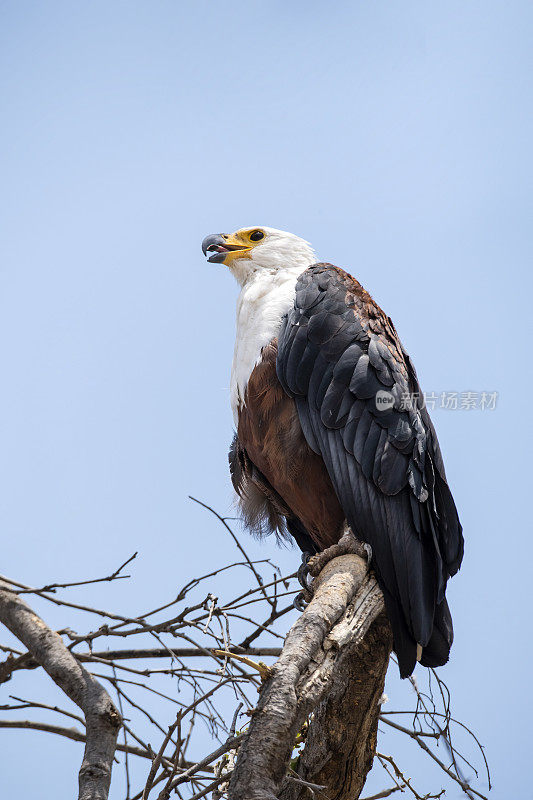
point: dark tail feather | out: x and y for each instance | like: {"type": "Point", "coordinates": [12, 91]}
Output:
{"type": "Point", "coordinates": [404, 645]}
{"type": "Point", "coordinates": [437, 650]}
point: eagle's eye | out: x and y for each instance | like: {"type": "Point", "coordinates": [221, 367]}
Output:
{"type": "Point", "coordinates": [256, 236]}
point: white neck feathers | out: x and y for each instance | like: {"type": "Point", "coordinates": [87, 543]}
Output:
{"type": "Point", "coordinates": [262, 303]}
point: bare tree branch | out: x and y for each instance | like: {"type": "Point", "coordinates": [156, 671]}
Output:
{"type": "Point", "coordinates": [180, 652]}
{"type": "Point", "coordinates": [69, 733]}
{"type": "Point", "coordinates": [102, 719]}
{"type": "Point", "coordinates": [51, 587]}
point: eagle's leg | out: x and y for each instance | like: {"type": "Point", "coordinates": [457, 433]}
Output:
{"type": "Point", "coordinates": [313, 565]}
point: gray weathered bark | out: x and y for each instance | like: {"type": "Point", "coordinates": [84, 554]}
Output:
{"type": "Point", "coordinates": [101, 717]}
{"type": "Point", "coordinates": [333, 663]}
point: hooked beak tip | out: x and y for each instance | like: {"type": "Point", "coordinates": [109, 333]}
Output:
{"type": "Point", "coordinates": [212, 242]}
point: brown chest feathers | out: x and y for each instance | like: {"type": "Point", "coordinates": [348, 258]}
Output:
{"type": "Point", "coordinates": [274, 471]}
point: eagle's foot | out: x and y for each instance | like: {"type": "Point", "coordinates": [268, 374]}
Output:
{"type": "Point", "coordinates": [348, 543]}
{"type": "Point", "coordinates": [312, 566]}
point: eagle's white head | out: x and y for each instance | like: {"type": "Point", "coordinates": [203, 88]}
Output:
{"type": "Point", "coordinates": [250, 250]}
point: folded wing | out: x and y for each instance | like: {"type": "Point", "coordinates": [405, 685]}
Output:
{"type": "Point", "coordinates": [359, 405]}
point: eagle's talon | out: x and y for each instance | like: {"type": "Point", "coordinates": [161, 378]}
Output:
{"type": "Point", "coordinates": [368, 550]}
{"type": "Point", "coordinates": [302, 600]}
{"type": "Point", "coordinates": [303, 572]}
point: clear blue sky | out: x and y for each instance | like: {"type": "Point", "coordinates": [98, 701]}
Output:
{"type": "Point", "coordinates": [396, 137]}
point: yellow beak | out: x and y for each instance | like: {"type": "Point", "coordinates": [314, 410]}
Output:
{"type": "Point", "coordinates": [225, 247]}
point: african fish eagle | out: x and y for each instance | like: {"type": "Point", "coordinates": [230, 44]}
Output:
{"type": "Point", "coordinates": [333, 433]}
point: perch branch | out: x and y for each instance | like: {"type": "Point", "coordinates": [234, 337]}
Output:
{"type": "Point", "coordinates": [316, 669]}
